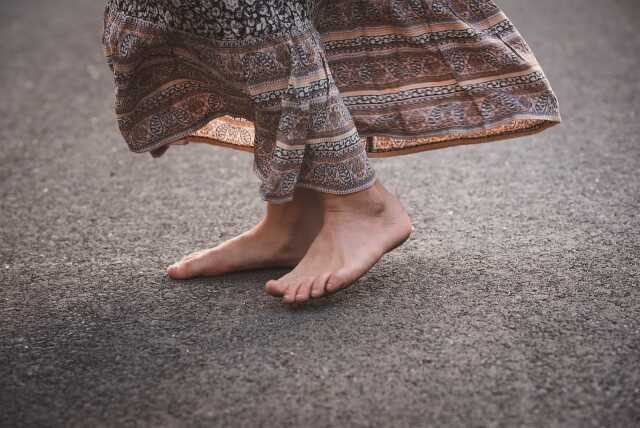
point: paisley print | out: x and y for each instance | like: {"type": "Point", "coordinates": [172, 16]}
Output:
{"type": "Point", "coordinates": [225, 19]}
{"type": "Point", "coordinates": [315, 87]}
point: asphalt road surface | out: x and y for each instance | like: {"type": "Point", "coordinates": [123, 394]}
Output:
{"type": "Point", "coordinates": [515, 303]}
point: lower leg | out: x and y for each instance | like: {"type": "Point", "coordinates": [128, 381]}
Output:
{"type": "Point", "coordinates": [280, 240]}
{"type": "Point", "coordinates": [358, 230]}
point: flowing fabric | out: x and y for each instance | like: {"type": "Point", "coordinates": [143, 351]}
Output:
{"type": "Point", "coordinates": [314, 87]}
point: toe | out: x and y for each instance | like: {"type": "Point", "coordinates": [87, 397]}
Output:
{"type": "Point", "coordinates": [275, 288]}
{"type": "Point", "coordinates": [337, 281]}
{"type": "Point", "coordinates": [290, 294]}
{"type": "Point", "coordinates": [181, 270]}
{"type": "Point", "coordinates": [171, 270]}
{"type": "Point", "coordinates": [318, 286]}
{"type": "Point", "coordinates": [191, 256]}
{"type": "Point", "coordinates": [302, 295]}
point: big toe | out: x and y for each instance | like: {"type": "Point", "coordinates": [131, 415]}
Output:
{"type": "Point", "coordinates": [275, 288]}
{"type": "Point", "coordinates": [339, 280]}
{"type": "Point", "coordinates": [181, 270]}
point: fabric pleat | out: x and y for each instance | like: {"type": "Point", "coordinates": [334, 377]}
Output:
{"type": "Point", "coordinates": [313, 87]}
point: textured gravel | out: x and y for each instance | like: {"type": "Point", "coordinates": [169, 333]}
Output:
{"type": "Point", "coordinates": [515, 303]}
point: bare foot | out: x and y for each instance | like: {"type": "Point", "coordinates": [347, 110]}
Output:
{"type": "Point", "coordinates": [280, 240]}
{"type": "Point", "coordinates": [358, 230]}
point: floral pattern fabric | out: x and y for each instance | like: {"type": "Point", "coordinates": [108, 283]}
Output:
{"type": "Point", "coordinates": [313, 86]}
{"type": "Point", "coordinates": [222, 19]}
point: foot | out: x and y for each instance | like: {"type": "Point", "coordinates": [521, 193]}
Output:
{"type": "Point", "coordinates": [358, 230]}
{"type": "Point", "coordinates": [280, 240]}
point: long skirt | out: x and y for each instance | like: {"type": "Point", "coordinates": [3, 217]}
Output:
{"type": "Point", "coordinates": [315, 87]}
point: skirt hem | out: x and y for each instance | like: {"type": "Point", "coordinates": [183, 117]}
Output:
{"type": "Point", "coordinates": [542, 125]}
{"type": "Point", "coordinates": [321, 189]}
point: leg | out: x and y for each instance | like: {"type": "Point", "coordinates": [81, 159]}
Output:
{"type": "Point", "coordinates": [358, 230]}
{"type": "Point", "coordinates": [280, 240]}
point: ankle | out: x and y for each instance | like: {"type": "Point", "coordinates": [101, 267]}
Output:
{"type": "Point", "coordinates": [306, 207]}
{"type": "Point", "coordinates": [370, 202]}
{"type": "Point", "coordinates": [281, 216]}
{"type": "Point", "coordinates": [286, 229]}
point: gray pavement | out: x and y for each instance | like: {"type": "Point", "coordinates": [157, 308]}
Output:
{"type": "Point", "coordinates": [515, 303]}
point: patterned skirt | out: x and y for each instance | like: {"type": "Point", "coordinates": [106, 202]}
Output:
{"type": "Point", "coordinates": [315, 87]}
